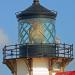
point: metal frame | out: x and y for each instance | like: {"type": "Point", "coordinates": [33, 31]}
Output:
{"type": "Point", "coordinates": [51, 31]}
{"type": "Point", "coordinates": [23, 33]}
{"type": "Point", "coordinates": [48, 33]}
{"type": "Point", "coordinates": [62, 51]}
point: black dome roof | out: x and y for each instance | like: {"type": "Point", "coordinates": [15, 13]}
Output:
{"type": "Point", "coordinates": [36, 11]}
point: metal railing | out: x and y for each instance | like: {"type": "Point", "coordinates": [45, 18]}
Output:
{"type": "Point", "coordinates": [61, 50]}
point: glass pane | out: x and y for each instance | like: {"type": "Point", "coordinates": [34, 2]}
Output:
{"type": "Point", "coordinates": [37, 30]}
{"type": "Point", "coordinates": [24, 32]}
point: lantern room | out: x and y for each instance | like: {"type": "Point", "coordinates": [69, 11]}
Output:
{"type": "Point", "coordinates": [36, 24]}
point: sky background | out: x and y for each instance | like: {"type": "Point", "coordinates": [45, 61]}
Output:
{"type": "Point", "coordinates": [65, 24]}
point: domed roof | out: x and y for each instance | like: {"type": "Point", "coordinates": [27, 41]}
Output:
{"type": "Point", "coordinates": [36, 11]}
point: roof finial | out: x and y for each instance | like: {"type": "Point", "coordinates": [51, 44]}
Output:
{"type": "Point", "coordinates": [36, 1]}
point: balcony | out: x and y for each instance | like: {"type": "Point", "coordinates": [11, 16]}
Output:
{"type": "Point", "coordinates": [50, 50]}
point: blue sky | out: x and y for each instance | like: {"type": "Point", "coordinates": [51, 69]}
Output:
{"type": "Point", "coordinates": [65, 23]}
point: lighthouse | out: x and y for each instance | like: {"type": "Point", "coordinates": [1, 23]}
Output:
{"type": "Point", "coordinates": [37, 53]}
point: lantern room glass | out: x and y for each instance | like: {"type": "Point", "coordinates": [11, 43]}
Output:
{"type": "Point", "coordinates": [36, 30]}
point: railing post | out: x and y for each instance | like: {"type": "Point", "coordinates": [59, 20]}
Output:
{"type": "Point", "coordinates": [72, 50]}
{"type": "Point", "coordinates": [16, 50]}
{"type": "Point", "coordinates": [11, 53]}
{"type": "Point", "coordinates": [57, 49]}
{"type": "Point", "coordinates": [4, 52]}
{"type": "Point", "coordinates": [27, 50]}
{"type": "Point", "coordinates": [68, 52]}
{"type": "Point", "coordinates": [64, 49]}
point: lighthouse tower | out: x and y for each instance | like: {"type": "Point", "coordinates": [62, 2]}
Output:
{"type": "Point", "coordinates": [37, 53]}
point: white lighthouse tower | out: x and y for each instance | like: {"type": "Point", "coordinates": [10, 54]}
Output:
{"type": "Point", "coordinates": [37, 52]}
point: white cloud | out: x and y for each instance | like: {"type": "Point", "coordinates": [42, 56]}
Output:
{"type": "Point", "coordinates": [3, 38]}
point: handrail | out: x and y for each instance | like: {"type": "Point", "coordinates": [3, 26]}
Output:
{"type": "Point", "coordinates": [62, 50]}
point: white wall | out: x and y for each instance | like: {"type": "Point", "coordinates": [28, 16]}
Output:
{"type": "Point", "coordinates": [53, 73]}
{"type": "Point", "coordinates": [40, 66]}
{"type": "Point", "coordinates": [22, 67]}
